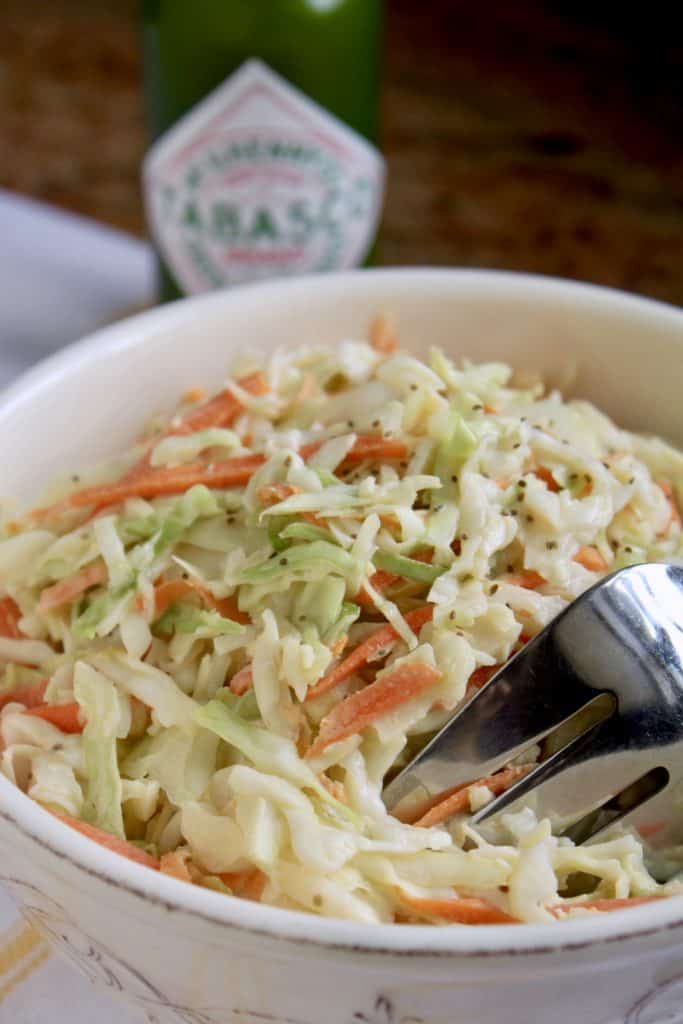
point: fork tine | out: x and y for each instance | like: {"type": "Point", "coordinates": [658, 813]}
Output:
{"type": "Point", "coordinates": [581, 777]}
{"type": "Point", "coordinates": [528, 698]}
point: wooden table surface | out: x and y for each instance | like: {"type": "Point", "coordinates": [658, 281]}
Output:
{"type": "Point", "coordinates": [530, 135]}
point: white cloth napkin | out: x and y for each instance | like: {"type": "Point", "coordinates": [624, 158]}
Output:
{"type": "Point", "coordinates": [61, 276]}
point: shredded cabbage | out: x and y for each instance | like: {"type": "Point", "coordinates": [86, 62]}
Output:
{"type": "Point", "coordinates": [203, 671]}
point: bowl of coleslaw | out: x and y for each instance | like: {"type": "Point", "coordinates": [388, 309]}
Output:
{"type": "Point", "coordinates": [257, 547]}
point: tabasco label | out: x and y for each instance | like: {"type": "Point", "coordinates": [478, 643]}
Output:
{"type": "Point", "coordinates": [258, 181]}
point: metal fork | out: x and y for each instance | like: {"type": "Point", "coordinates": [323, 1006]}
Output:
{"type": "Point", "coordinates": [601, 691]}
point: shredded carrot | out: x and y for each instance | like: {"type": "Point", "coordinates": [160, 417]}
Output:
{"type": "Point", "coordinates": [364, 707]}
{"type": "Point", "coordinates": [228, 608]}
{"type": "Point", "coordinates": [544, 474]}
{"type": "Point", "coordinates": [30, 696]}
{"type": "Point", "coordinates": [382, 335]}
{"type": "Point", "coordinates": [651, 829]}
{"type": "Point", "coordinates": [109, 841]}
{"type": "Point", "coordinates": [196, 394]}
{"type": "Point", "coordinates": [220, 411]}
{"type": "Point", "coordinates": [367, 447]}
{"type": "Point", "coordinates": [674, 511]}
{"type": "Point", "coordinates": [457, 799]}
{"type": "Point", "coordinates": [384, 637]}
{"type": "Point", "coordinates": [380, 581]}
{"type": "Point", "coordinates": [9, 618]}
{"type": "Point", "coordinates": [174, 864]}
{"type": "Point", "coordinates": [481, 676]}
{"type": "Point", "coordinates": [248, 884]}
{"type": "Point", "coordinates": [591, 559]}
{"type": "Point", "coordinates": [339, 646]}
{"type": "Point", "coordinates": [66, 717]}
{"type": "Point", "coordinates": [242, 681]}
{"type": "Point", "coordinates": [162, 480]}
{"type": "Point", "coordinates": [561, 909]}
{"type": "Point", "coordinates": [529, 579]}
{"type": "Point", "coordinates": [69, 589]}
{"type": "Point", "coordinates": [468, 910]}
{"type": "Point", "coordinates": [166, 594]}
{"type": "Point", "coordinates": [272, 494]}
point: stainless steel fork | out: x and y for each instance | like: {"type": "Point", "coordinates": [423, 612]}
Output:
{"type": "Point", "coordinates": [601, 691]}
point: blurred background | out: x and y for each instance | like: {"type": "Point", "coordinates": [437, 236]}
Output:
{"type": "Point", "coordinates": [530, 136]}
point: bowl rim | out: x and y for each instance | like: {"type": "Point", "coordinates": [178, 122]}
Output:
{"type": "Point", "coordinates": [299, 927]}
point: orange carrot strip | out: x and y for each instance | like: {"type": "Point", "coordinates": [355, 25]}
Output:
{"type": "Point", "coordinates": [109, 841]}
{"type": "Point", "coordinates": [380, 581]}
{"type": "Point", "coordinates": [382, 335]}
{"type": "Point", "coordinates": [9, 618]}
{"type": "Point", "coordinates": [220, 411]}
{"type": "Point", "coordinates": [529, 579]}
{"type": "Point", "coordinates": [69, 589]}
{"type": "Point", "coordinates": [195, 394]}
{"type": "Point", "coordinates": [674, 511]}
{"type": "Point", "coordinates": [271, 494]}
{"type": "Point", "coordinates": [173, 864]}
{"type": "Point", "coordinates": [166, 594]}
{"type": "Point", "coordinates": [339, 645]}
{"type": "Point", "coordinates": [458, 910]}
{"type": "Point", "coordinates": [242, 681]}
{"type": "Point", "coordinates": [66, 717]}
{"type": "Point", "coordinates": [591, 559]}
{"type": "Point", "coordinates": [369, 447]}
{"type": "Point", "coordinates": [155, 482]}
{"type": "Point", "coordinates": [385, 636]}
{"type": "Point", "coordinates": [559, 910]}
{"type": "Point", "coordinates": [30, 696]}
{"type": "Point", "coordinates": [227, 607]}
{"type": "Point", "coordinates": [453, 801]}
{"type": "Point", "coordinates": [481, 676]}
{"type": "Point", "coordinates": [248, 884]}
{"type": "Point", "coordinates": [364, 707]}
{"type": "Point", "coordinates": [544, 474]}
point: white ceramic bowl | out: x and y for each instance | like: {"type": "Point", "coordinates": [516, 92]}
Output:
{"type": "Point", "coordinates": [186, 954]}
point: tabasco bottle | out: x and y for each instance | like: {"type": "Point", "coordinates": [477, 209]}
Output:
{"type": "Point", "coordinates": [263, 115]}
